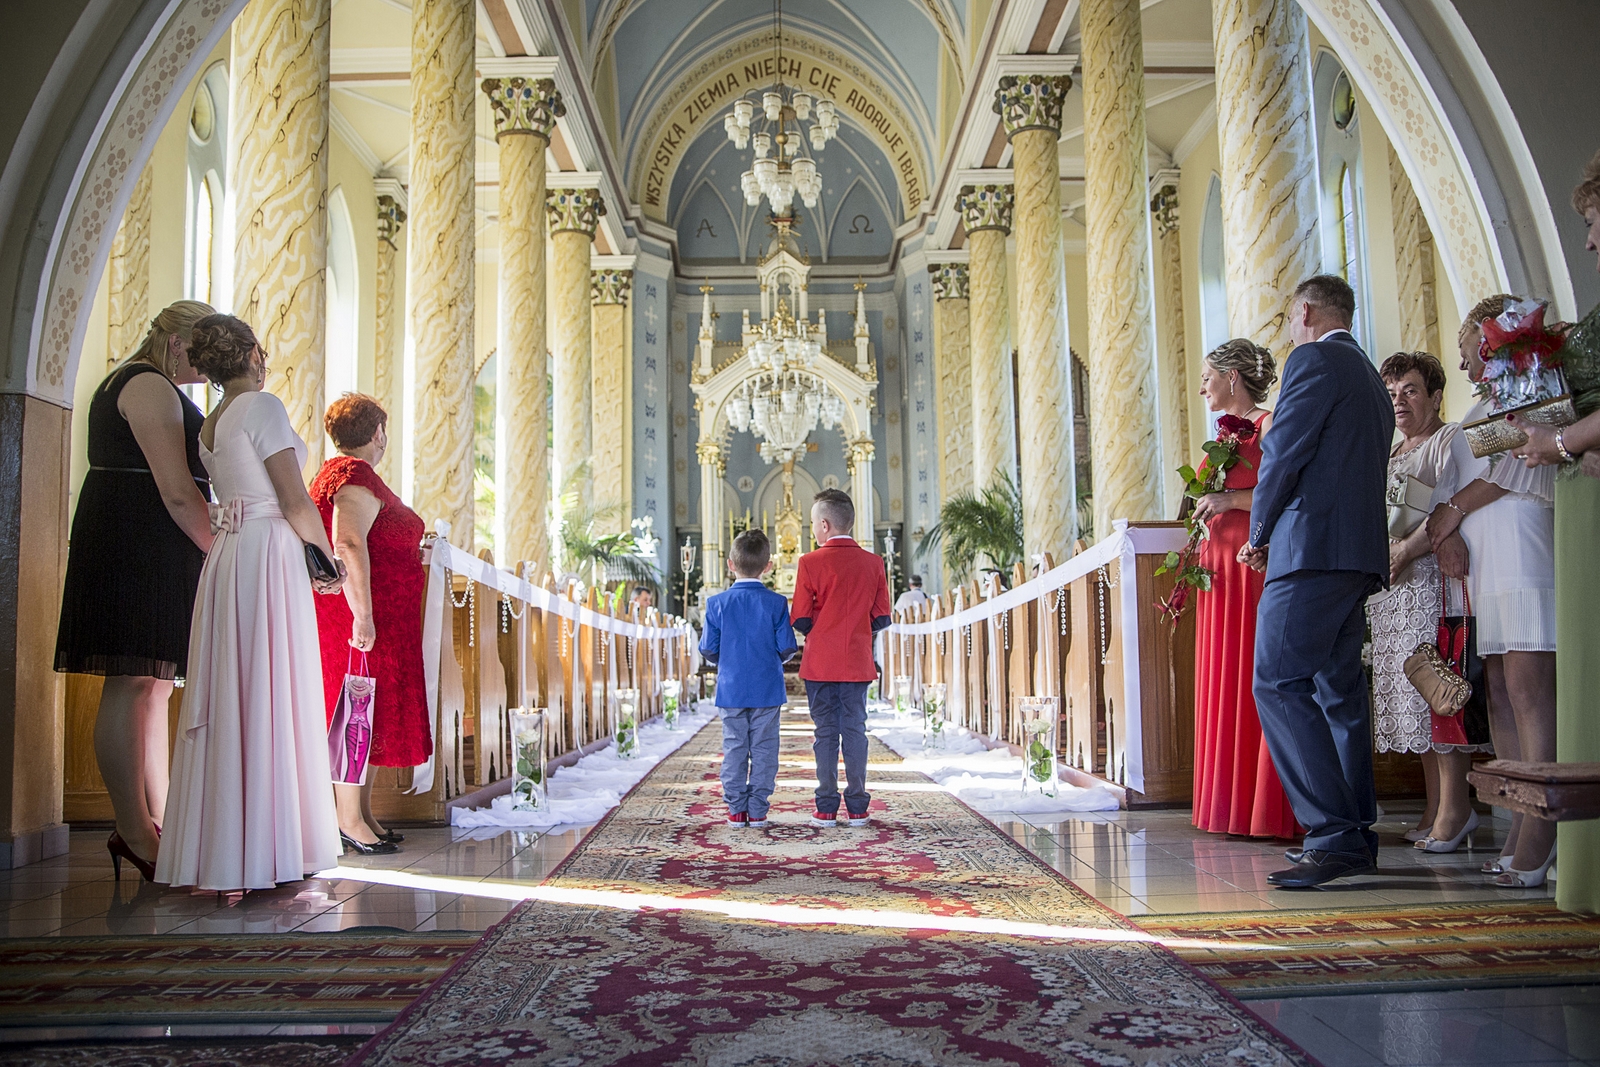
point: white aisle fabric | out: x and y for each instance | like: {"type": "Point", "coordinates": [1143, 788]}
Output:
{"type": "Point", "coordinates": [989, 780]}
{"type": "Point", "coordinates": [584, 791]}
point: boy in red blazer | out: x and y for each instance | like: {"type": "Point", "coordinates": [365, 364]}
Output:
{"type": "Point", "coordinates": [841, 599]}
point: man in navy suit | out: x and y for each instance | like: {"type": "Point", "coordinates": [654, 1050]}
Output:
{"type": "Point", "coordinates": [1317, 527]}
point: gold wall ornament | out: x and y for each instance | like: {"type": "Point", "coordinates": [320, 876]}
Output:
{"type": "Point", "coordinates": [986, 207]}
{"type": "Point", "coordinates": [1031, 102]}
{"type": "Point", "coordinates": [949, 280]}
{"type": "Point", "coordinates": [1164, 209]}
{"type": "Point", "coordinates": [391, 216]}
{"type": "Point", "coordinates": [524, 105]}
{"type": "Point", "coordinates": [610, 286]}
{"type": "Point", "coordinates": [577, 210]}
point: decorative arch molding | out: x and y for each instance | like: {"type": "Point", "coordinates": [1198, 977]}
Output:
{"type": "Point", "coordinates": [1449, 145]}
{"type": "Point", "coordinates": [95, 184]}
{"type": "Point", "coordinates": [710, 87]}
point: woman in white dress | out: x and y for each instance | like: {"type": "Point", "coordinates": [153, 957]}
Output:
{"type": "Point", "coordinates": [1407, 613]}
{"type": "Point", "coordinates": [251, 804]}
{"type": "Point", "coordinates": [1506, 514]}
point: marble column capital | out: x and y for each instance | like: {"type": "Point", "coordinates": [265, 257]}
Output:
{"type": "Point", "coordinates": [710, 454]}
{"type": "Point", "coordinates": [949, 280]}
{"type": "Point", "coordinates": [1031, 102]}
{"type": "Point", "coordinates": [986, 207]}
{"type": "Point", "coordinates": [1164, 208]}
{"type": "Point", "coordinates": [610, 286]}
{"type": "Point", "coordinates": [391, 216]}
{"type": "Point", "coordinates": [859, 450]}
{"type": "Point", "coordinates": [524, 105]}
{"type": "Point", "coordinates": [578, 210]}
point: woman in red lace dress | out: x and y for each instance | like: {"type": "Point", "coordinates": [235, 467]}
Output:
{"type": "Point", "coordinates": [379, 540]}
{"type": "Point", "coordinates": [1236, 788]}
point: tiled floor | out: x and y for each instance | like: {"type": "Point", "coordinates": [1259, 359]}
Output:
{"type": "Point", "coordinates": [1142, 862]}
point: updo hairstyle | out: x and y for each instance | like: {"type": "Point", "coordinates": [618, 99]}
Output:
{"type": "Point", "coordinates": [1257, 371]}
{"type": "Point", "coordinates": [353, 419]}
{"type": "Point", "coordinates": [220, 347]}
{"type": "Point", "coordinates": [1489, 307]}
{"type": "Point", "coordinates": [176, 320]}
{"type": "Point", "coordinates": [1428, 368]}
{"type": "Point", "coordinates": [1587, 194]}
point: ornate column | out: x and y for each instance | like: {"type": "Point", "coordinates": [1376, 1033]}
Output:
{"type": "Point", "coordinates": [609, 292]}
{"type": "Point", "coordinates": [1173, 375]}
{"type": "Point", "coordinates": [440, 251]}
{"type": "Point", "coordinates": [986, 214]}
{"type": "Point", "coordinates": [713, 465]}
{"type": "Point", "coordinates": [129, 276]}
{"type": "Point", "coordinates": [858, 453]}
{"type": "Point", "coordinates": [953, 377]}
{"type": "Point", "coordinates": [1269, 177]}
{"type": "Point", "coordinates": [1125, 453]}
{"type": "Point", "coordinates": [573, 216]}
{"type": "Point", "coordinates": [524, 111]}
{"type": "Point", "coordinates": [1413, 247]}
{"type": "Point", "coordinates": [387, 374]}
{"type": "Point", "coordinates": [278, 174]}
{"type": "Point", "coordinates": [1030, 108]}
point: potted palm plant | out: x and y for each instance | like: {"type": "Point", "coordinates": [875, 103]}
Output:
{"type": "Point", "coordinates": [979, 528]}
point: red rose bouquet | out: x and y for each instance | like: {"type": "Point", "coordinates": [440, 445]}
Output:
{"type": "Point", "coordinates": [1222, 455]}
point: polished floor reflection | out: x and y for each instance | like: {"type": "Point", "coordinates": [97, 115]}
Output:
{"type": "Point", "coordinates": [1137, 863]}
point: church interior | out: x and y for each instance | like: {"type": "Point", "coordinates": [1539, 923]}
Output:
{"type": "Point", "coordinates": [632, 278]}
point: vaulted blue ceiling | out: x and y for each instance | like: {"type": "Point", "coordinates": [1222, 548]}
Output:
{"type": "Point", "coordinates": [645, 47]}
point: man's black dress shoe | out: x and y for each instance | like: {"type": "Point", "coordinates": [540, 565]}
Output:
{"type": "Point", "coordinates": [1316, 867]}
{"type": "Point", "coordinates": [1293, 855]}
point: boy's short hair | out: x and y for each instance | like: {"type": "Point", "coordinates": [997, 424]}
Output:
{"type": "Point", "coordinates": [837, 508]}
{"type": "Point", "coordinates": [750, 552]}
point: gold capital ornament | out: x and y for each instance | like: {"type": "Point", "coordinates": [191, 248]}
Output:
{"type": "Point", "coordinates": [950, 280]}
{"type": "Point", "coordinates": [610, 286]}
{"type": "Point", "coordinates": [578, 210]}
{"type": "Point", "coordinates": [1031, 103]}
{"type": "Point", "coordinates": [986, 207]}
{"type": "Point", "coordinates": [524, 106]}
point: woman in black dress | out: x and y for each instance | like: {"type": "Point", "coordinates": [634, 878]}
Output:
{"type": "Point", "coordinates": [139, 538]}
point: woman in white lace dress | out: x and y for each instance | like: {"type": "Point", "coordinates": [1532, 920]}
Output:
{"type": "Point", "coordinates": [1408, 613]}
{"type": "Point", "coordinates": [252, 800]}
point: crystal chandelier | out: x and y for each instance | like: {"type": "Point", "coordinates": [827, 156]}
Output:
{"type": "Point", "coordinates": [785, 399]}
{"type": "Point", "coordinates": [781, 166]}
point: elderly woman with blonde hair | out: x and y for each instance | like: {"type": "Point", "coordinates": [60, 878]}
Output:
{"type": "Point", "coordinates": [140, 534]}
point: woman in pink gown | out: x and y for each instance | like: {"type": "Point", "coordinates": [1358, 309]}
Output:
{"type": "Point", "coordinates": [251, 803]}
{"type": "Point", "coordinates": [1236, 788]}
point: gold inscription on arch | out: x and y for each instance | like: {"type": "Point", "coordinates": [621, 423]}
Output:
{"type": "Point", "coordinates": [705, 94]}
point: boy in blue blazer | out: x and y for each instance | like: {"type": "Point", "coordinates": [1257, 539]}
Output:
{"type": "Point", "coordinates": [748, 637]}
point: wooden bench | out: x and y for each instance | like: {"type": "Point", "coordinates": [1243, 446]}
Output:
{"type": "Point", "coordinates": [1560, 792]}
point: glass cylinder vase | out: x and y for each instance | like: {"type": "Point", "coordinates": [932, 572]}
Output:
{"type": "Point", "coordinates": [1040, 725]}
{"type": "Point", "coordinates": [528, 727]}
{"type": "Point", "coordinates": [933, 721]}
{"type": "Point", "coordinates": [627, 720]}
{"type": "Point", "coordinates": [671, 691]}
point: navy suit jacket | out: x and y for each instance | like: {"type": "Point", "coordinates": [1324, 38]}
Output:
{"type": "Point", "coordinates": [1319, 499]}
{"type": "Point", "coordinates": [748, 636]}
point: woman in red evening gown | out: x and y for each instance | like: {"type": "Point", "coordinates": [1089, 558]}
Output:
{"type": "Point", "coordinates": [379, 539]}
{"type": "Point", "coordinates": [1236, 788]}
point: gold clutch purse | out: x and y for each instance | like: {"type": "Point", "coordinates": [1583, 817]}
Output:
{"type": "Point", "coordinates": [1494, 434]}
{"type": "Point", "coordinates": [1445, 691]}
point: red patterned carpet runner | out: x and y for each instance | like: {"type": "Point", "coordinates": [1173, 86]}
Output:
{"type": "Point", "coordinates": [927, 938]}
{"type": "Point", "coordinates": [231, 978]}
{"type": "Point", "coordinates": [1387, 950]}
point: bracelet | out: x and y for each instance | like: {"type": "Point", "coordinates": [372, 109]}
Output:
{"type": "Point", "coordinates": [1561, 447]}
{"type": "Point", "coordinates": [1453, 506]}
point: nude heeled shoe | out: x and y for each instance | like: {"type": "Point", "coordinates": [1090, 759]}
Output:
{"type": "Point", "coordinates": [1511, 878]}
{"type": "Point", "coordinates": [1434, 844]}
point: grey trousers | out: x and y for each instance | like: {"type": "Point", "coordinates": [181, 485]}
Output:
{"type": "Point", "coordinates": [749, 758]}
{"type": "Point", "coordinates": [839, 713]}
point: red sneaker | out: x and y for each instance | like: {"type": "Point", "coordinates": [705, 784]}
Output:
{"type": "Point", "coordinates": [825, 819]}
{"type": "Point", "coordinates": [738, 818]}
{"type": "Point", "coordinates": [857, 820]}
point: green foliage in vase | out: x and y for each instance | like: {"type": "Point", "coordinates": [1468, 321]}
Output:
{"type": "Point", "coordinates": [1041, 761]}
{"type": "Point", "coordinates": [986, 525]}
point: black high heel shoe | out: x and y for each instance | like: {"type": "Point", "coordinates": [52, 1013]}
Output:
{"type": "Point", "coordinates": [120, 851]}
{"type": "Point", "coordinates": [391, 837]}
{"type": "Point", "coordinates": [377, 848]}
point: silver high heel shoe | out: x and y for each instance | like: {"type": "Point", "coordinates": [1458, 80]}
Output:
{"type": "Point", "coordinates": [1434, 844]}
{"type": "Point", "coordinates": [1511, 878]}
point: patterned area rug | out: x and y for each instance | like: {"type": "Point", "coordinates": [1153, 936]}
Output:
{"type": "Point", "coordinates": [86, 981]}
{"type": "Point", "coordinates": [927, 937]}
{"type": "Point", "coordinates": [1387, 950]}
{"type": "Point", "coordinates": [246, 1052]}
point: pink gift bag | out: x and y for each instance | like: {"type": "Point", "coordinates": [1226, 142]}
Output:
{"type": "Point", "coordinates": [350, 733]}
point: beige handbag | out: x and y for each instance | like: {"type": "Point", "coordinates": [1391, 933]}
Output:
{"type": "Point", "coordinates": [1410, 502]}
{"type": "Point", "coordinates": [1445, 691]}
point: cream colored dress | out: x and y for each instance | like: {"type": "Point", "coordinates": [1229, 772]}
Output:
{"type": "Point", "coordinates": [251, 803]}
{"type": "Point", "coordinates": [1406, 615]}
